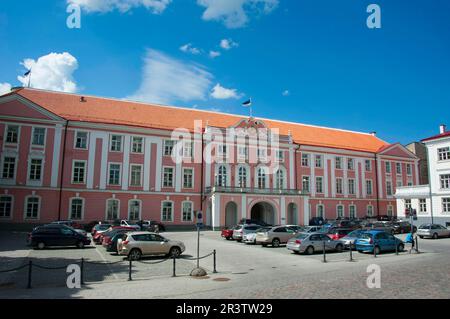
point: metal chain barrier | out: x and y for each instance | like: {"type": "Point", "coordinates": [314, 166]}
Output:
{"type": "Point", "coordinates": [194, 258]}
{"type": "Point", "coordinates": [14, 269]}
{"type": "Point", "coordinates": [50, 268]}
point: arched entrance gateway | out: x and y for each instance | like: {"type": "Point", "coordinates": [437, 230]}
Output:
{"type": "Point", "coordinates": [265, 212]}
{"type": "Point", "coordinates": [292, 214]}
{"type": "Point", "coordinates": [231, 217]}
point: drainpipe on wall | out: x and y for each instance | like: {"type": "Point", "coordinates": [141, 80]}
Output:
{"type": "Point", "coordinates": [377, 188]}
{"type": "Point", "coordinates": [62, 170]}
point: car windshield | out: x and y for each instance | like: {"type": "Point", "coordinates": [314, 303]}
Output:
{"type": "Point", "coordinates": [301, 236]}
{"type": "Point", "coordinates": [425, 226]}
{"type": "Point", "coordinates": [355, 233]}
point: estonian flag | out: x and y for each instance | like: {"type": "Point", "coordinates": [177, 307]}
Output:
{"type": "Point", "coordinates": [27, 73]}
{"type": "Point", "coordinates": [247, 103]}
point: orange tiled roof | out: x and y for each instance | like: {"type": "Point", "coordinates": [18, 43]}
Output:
{"type": "Point", "coordinates": [115, 111]}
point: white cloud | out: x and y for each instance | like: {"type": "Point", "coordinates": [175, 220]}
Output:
{"type": "Point", "coordinates": [228, 44]}
{"type": "Point", "coordinates": [5, 88]}
{"type": "Point", "coordinates": [51, 72]}
{"type": "Point", "coordinates": [167, 80]}
{"type": "Point", "coordinates": [285, 93]}
{"type": "Point", "coordinates": [221, 93]}
{"type": "Point", "coordinates": [156, 6]}
{"type": "Point", "coordinates": [214, 54]}
{"type": "Point", "coordinates": [188, 48]}
{"type": "Point", "coordinates": [234, 13]}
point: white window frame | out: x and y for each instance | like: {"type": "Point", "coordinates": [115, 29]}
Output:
{"type": "Point", "coordinates": [118, 208]}
{"type": "Point", "coordinates": [165, 146]}
{"type": "Point", "coordinates": [10, 217]}
{"type": "Point", "coordinates": [238, 176]}
{"type": "Point", "coordinates": [32, 137]}
{"type": "Point", "coordinates": [6, 155]}
{"type": "Point", "coordinates": [337, 211]}
{"type": "Point", "coordinates": [224, 180]}
{"type": "Point", "coordinates": [338, 159]}
{"type": "Point", "coordinates": [389, 188]}
{"type": "Point", "coordinates": [111, 143]}
{"type": "Point", "coordinates": [371, 210]}
{"type": "Point", "coordinates": [422, 205]}
{"type": "Point", "coordinates": [306, 157]}
{"type": "Point", "coordinates": [172, 210]}
{"type": "Point", "coordinates": [367, 161]}
{"type": "Point", "coordinates": [276, 183]}
{"type": "Point", "coordinates": [351, 182]}
{"type": "Point", "coordinates": [369, 181]}
{"type": "Point", "coordinates": [142, 144]}
{"type": "Point", "coordinates": [188, 149]}
{"type": "Point", "coordinates": [309, 183]}
{"type": "Point", "coordinates": [390, 210]}
{"type": "Point", "coordinates": [182, 211]}
{"type": "Point", "coordinates": [443, 154]}
{"type": "Point", "coordinates": [129, 209]}
{"type": "Point", "coordinates": [265, 170]}
{"type": "Point", "coordinates": [445, 205]}
{"type": "Point", "coordinates": [408, 169]}
{"type": "Point", "coordinates": [192, 178]}
{"type": "Point", "coordinates": [321, 191]}
{"type": "Point", "coordinates": [444, 181]}
{"type": "Point", "coordinates": [386, 165]}
{"type": "Point", "coordinates": [173, 176]}
{"type": "Point", "coordinates": [6, 134]}
{"type": "Point", "coordinates": [397, 165]}
{"type": "Point", "coordinates": [244, 156]}
{"type": "Point", "coordinates": [109, 173]}
{"type": "Point", "coordinates": [350, 164]}
{"type": "Point", "coordinates": [84, 173]}
{"type": "Point", "coordinates": [35, 182]}
{"type": "Point", "coordinates": [323, 210]}
{"type": "Point", "coordinates": [131, 175]}
{"type": "Point", "coordinates": [341, 185]}
{"type": "Point", "coordinates": [280, 156]}
{"type": "Point", "coordinates": [25, 208]}
{"type": "Point", "coordinates": [318, 161]}
{"type": "Point", "coordinates": [355, 213]}
{"type": "Point", "coordinates": [70, 208]}
{"type": "Point", "coordinates": [76, 139]}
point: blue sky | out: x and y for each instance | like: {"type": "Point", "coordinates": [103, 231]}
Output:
{"type": "Point", "coordinates": [338, 73]}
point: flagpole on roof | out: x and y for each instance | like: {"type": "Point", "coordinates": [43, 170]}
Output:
{"type": "Point", "coordinates": [249, 104]}
{"type": "Point", "coordinates": [28, 73]}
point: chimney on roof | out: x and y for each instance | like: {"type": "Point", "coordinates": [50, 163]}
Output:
{"type": "Point", "coordinates": [82, 99]}
{"type": "Point", "coordinates": [442, 128]}
{"type": "Point", "coordinates": [373, 133]}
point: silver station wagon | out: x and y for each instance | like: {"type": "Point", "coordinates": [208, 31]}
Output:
{"type": "Point", "coordinates": [311, 242]}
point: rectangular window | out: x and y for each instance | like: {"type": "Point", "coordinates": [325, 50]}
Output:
{"type": "Point", "coordinates": [187, 149]}
{"type": "Point", "coordinates": [79, 172]}
{"type": "Point", "coordinates": [38, 136]}
{"type": "Point", "coordinates": [446, 205]}
{"type": "Point", "coordinates": [222, 150]}
{"type": "Point", "coordinates": [12, 134]}
{"type": "Point", "coordinates": [422, 205]}
{"type": "Point", "coordinates": [112, 209]}
{"type": "Point", "coordinates": [388, 167]}
{"type": "Point", "coordinates": [242, 152]}
{"type": "Point", "coordinates": [408, 169]}
{"type": "Point", "coordinates": [188, 174]}
{"type": "Point", "coordinates": [32, 208]}
{"type": "Point", "coordinates": [35, 169]}
{"type": "Point", "coordinates": [319, 185]}
{"type": "Point", "coordinates": [305, 183]}
{"type": "Point", "coordinates": [5, 206]}
{"type": "Point", "coordinates": [340, 211]}
{"type": "Point", "coordinates": [352, 211]}
{"type": "Point", "coordinates": [389, 188]}
{"type": "Point", "coordinates": [76, 209]}
{"type": "Point", "coordinates": [262, 154]}
{"type": "Point", "coordinates": [168, 147]}
{"type": "Point", "coordinates": [305, 160]}
{"type": "Point", "coordinates": [338, 162]}
{"type": "Point", "coordinates": [444, 153]}
{"type": "Point", "coordinates": [134, 210]}
{"type": "Point", "coordinates": [408, 204]}
{"type": "Point", "coordinates": [370, 210]}
{"type": "Point", "coordinates": [81, 140]}
{"type": "Point", "coordinates": [136, 175]}
{"type": "Point", "coordinates": [445, 181]}
{"type": "Point", "coordinates": [339, 188]}
{"type": "Point", "coordinates": [390, 210]}
{"type": "Point", "coordinates": [351, 187]}
{"type": "Point", "coordinates": [280, 156]}
{"type": "Point", "coordinates": [9, 167]}
{"type": "Point", "coordinates": [116, 143]}
{"type": "Point", "coordinates": [399, 183]}
{"type": "Point", "coordinates": [318, 161]}
{"type": "Point", "coordinates": [410, 182]}
{"type": "Point", "coordinates": [369, 187]}
{"type": "Point", "coordinates": [350, 164]}
{"type": "Point", "coordinates": [168, 177]}
{"type": "Point", "coordinates": [368, 165]}
{"type": "Point", "coordinates": [114, 174]}
{"type": "Point", "coordinates": [187, 211]}
{"type": "Point", "coordinates": [398, 168]}
{"type": "Point", "coordinates": [167, 211]}
{"type": "Point", "coordinates": [137, 143]}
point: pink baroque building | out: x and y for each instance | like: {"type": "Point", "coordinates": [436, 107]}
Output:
{"type": "Point", "coordinates": [85, 158]}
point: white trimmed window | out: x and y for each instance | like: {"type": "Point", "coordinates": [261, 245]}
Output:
{"type": "Point", "coordinates": [38, 136]}
{"type": "Point", "coordinates": [9, 167]}
{"type": "Point", "coordinates": [422, 205]}
{"type": "Point", "coordinates": [168, 147]}
{"type": "Point", "coordinates": [444, 153]}
{"type": "Point", "coordinates": [279, 179]}
{"type": "Point", "coordinates": [167, 211]}
{"type": "Point", "coordinates": [280, 156]}
{"type": "Point", "coordinates": [76, 209]}
{"type": "Point", "coordinates": [32, 206]}
{"type": "Point", "coordinates": [222, 176]}
{"type": "Point", "coordinates": [6, 202]}
{"type": "Point", "coordinates": [262, 154]}
{"type": "Point", "coordinates": [116, 143]}
{"type": "Point", "coordinates": [188, 177]}
{"type": "Point", "coordinates": [368, 165]}
{"type": "Point", "coordinates": [134, 209]}
{"type": "Point", "coordinates": [408, 169]}
{"type": "Point", "coordinates": [340, 211]}
{"type": "Point", "coordinates": [79, 172]}
{"type": "Point", "coordinates": [35, 169]}
{"type": "Point", "coordinates": [390, 210]}
{"type": "Point", "coordinates": [319, 184]}
{"type": "Point", "coordinates": [339, 186]}
{"type": "Point", "coordinates": [338, 162]}
{"type": "Point", "coordinates": [318, 161]}
{"type": "Point", "coordinates": [305, 183]}
{"type": "Point", "coordinates": [12, 134]}
{"type": "Point", "coordinates": [398, 168]}
{"type": "Point", "coordinates": [222, 150]}
{"type": "Point", "coordinates": [112, 209]}
{"type": "Point", "coordinates": [305, 160]}
{"type": "Point", "coordinates": [389, 188]}
{"type": "Point", "coordinates": [446, 205]}
{"type": "Point", "coordinates": [350, 164]}
{"type": "Point", "coordinates": [399, 183]}
{"type": "Point", "coordinates": [445, 181]}
{"type": "Point", "coordinates": [188, 149]}
{"type": "Point", "coordinates": [187, 211]}
{"type": "Point", "coordinates": [137, 144]}
{"type": "Point", "coordinates": [114, 173]}
{"type": "Point", "coordinates": [168, 177]}
{"type": "Point", "coordinates": [81, 140]}
{"type": "Point", "coordinates": [261, 178]}
{"type": "Point", "coordinates": [136, 175]}
{"type": "Point", "coordinates": [242, 153]}
{"type": "Point", "coordinates": [388, 167]}
{"type": "Point", "coordinates": [369, 187]}
{"type": "Point", "coordinates": [351, 187]}
{"type": "Point", "coordinates": [409, 181]}
{"type": "Point", "coordinates": [369, 210]}
{"type": "Point", "coordinates": [352, 211]}
{"type": "Point", "coordinates": [320, 211]}
{"type": "Point", "coordinates": [242, 177]}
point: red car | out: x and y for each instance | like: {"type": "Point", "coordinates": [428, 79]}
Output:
{"type": "Point", "coordinates": [338, 233]}
{"type": "Point", "coordinates": [227, 233]}
{"type": "Point", "coordinates": [98, 237]}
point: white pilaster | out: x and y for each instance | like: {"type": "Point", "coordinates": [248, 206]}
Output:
{"type": "Point", "coordinates": [56, 155]}
{"type": "Point", "coordinates": [147, 160]}
{"type": "Point", "coordinates": [291, 168]}
{"type": "Point", "coordinates": [91, 160]}
{"type": "Point", "coordinates": [158, 175]}
{"type": "Point", "coordinates": [126, 162]}
{"type": "Point", "coordinates": [243, 206]}
{"type": "Point", "coordinates": [283, 210]}
{"type": "Point", "coordinates": [104, 163]}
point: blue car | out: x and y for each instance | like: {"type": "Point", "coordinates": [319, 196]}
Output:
{"type": "Point", "coordinates": [379, 241]}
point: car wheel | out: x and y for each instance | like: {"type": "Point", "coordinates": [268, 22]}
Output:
{"type": "Point", "coordinates": [400, 247]}
{"type": "Point", "coordinates": [41, 245]}
{"type": "Point", "coordinates": [435, 236]}
{"type": "Point", "coordinates": [275, 242]}
{"type": "Point", "coordinates": [421, 237]}
{"type": "Point", "coordinates": [377, 250]}
{"type": "Point", "coordinates": [310, 250]}
{"type": "Point", "coordinates": [80, 244]}
{"type": "Point", "coordinates": [135, 254]}
{"type": "Point", "coordinates": [339, 248]}
{"type": "Point", "coordinates": [175, 251]}
{"type": "Point", "coordinates": [264, 245]}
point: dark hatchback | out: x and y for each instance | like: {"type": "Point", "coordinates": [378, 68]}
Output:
{"type": "Point", "coordinates": [56, 235]}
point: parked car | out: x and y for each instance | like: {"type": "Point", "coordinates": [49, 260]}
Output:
{"type": "Point", "coordinates": [100, 228]}
{"type": "Point", "coordinates": [143, 243]}
{"type": "Point", "coordinates": [296, 228]}
{"type": "Point", "coordinates": [311, 229]}
{"type": "Point", "coordinates": [250, 238]}
{"type": "Point", "coordinates": [379, 241]}
{"type": "Point", "coordinates": [401, 227]}
{"type": "Point", "coordinates": [56, 235]}
{"type": "Point", "coordinates": [149, 225]}
{"type": "Point", "coordinates": [432, 231]}
{"type": "Point", "coordinates": [113, 244]}
{"type": "Point", "coordinates": [227, 232]}
{"type": "Point", "coordinates": [127, 223]}
{"type": "Point", "coordinates": [316, 221]}
{"type": "Point", "coordinates": [70, 223]}
{"type": "Point", "coordinates": [274, 236]}
{"type": "Point", "coordinates": [241, 230]}
{"type": "Point", "coordinates": [108, 236]}
{"type": "Point", "coordinates": [244, 221]}
{"type": "Point", "coordinates": [381, 226]}
{"type": "Point", "coordinates": [98, 237]}
{"type": "Point", "coordinates": [351, 238]}
{"type": "Point", "coordinates": [337, 233]}
{"type": "Point", "coordinates": [385, 218]}
{"type": "Point", "coordinates": [311, 242]}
